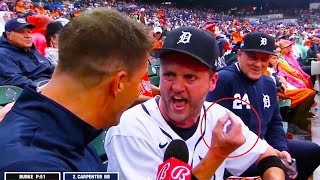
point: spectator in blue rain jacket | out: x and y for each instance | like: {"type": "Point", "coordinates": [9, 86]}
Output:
{"type": "Point", "coordinates": [20, 63]}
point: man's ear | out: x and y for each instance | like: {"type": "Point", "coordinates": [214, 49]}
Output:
{"type": "Point", "coordinates": [239, 52]}
{"type": "Point", "coordinates": [52, 39]}
{"type": "Point", "coordinates": [117, 83]}
{"type": "Point", "coordinates": [213, 81]}
{"type": "Point", "coordinates": [8, 34]}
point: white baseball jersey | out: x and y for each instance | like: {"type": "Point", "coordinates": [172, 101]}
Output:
{"type": "Point", "coordinates": [136, 147]}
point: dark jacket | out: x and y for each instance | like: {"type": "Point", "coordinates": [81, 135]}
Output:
{"type": "Point", "coordinates": [38, 134]}
{"type": "Point", "coordinates": [261, 94]}
{"type": "Point", "coordinates": [21, 68]}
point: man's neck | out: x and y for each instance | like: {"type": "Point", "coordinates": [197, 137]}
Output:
{"type": "Point", "coordinates": [80, 102]}
{"type": "Point", "coordinates": [26, 49]}
{"type": "Point", "coordinates": [23, 48]}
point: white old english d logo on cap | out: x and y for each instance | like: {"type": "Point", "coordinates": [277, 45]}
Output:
{"type": "Point", "coordinates": [263, 41]}
{"type": "Point", "coordinates": [21, 20]}
{"type": "Point", "coordinates": [185, 37]}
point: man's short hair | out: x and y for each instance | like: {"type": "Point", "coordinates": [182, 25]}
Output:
{"type": "Point", "coordinates": [100, 42]}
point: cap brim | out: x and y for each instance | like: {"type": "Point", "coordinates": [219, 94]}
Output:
{"type": "Point", "coordinates": [160, 52]}
{"type": "Point", "coordinates": [286, 46]}
{"type": "Point", "coordinates": [30, 26]}
{"type": "Point", "coordinates": [260, 51]}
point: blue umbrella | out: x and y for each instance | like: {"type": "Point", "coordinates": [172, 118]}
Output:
{"type": "Point", "coordinates": [132, 6]}
{"type": "Point", "coordinates": [56, 6]}
{"type": "Point", "coordinates": [254, 23]}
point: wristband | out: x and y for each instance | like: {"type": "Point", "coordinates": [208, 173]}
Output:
{"type": "Point", "coordinates": [268, 162]}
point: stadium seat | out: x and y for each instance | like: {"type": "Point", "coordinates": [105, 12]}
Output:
{"type": "Point", "coordinates": [153, 72]}
{"type": "Point", "coordinates": [284, 103]}
{"type": "Point", "coordinates": [307, 61]}
{"type": "Point", "coordinates": [155, 63]}
{"type": "Point", "coordinates": [285, 127]}
{"type": "Point", "coordinates": [284, 110]}
{"type": "Point", "coordinates": [155, 80]}
{"type": "Point", "coordinates": [9, 94]}
{"type": "Point", "coordinates": [98, 144]}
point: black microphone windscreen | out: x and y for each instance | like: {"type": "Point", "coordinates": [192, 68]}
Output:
{"type": "Point", "coordinates": [177, 149]}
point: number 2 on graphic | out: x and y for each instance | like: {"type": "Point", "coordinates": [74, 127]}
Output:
{"type": "Point", "coordinates": [238, 104]}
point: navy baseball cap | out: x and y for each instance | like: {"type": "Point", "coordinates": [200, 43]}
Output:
{"type": "Point", "coordinates": [197, 43]}
{"type": "Point", "coordinates": [17, 24]}
{"type": "Point", "coordinates": [258, 42]}
{"type": "Point", "coordinates": [54, 28]}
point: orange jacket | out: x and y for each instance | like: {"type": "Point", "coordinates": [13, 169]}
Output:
{"type": "Point", "coordinates": [157, 44]}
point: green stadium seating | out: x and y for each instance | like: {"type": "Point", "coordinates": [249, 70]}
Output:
{"type": "Point", "coordinates": [9, 94]}
{"type": "Point", "coordinates": [154, 72]}
{"type": "Point", "coordinates": [98, 144]}
{"type": "Point", "coordinates": [284, 103]}
{"type": "Point", "coordinates": [284, 109]}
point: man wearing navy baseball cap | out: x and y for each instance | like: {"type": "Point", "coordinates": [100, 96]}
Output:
{"type": "Point", "coordinates": [202, 46]}
{"type": "Point", "coordinates": [20, 63]}
{"type": "Point", "coordinates": [18, 33]}
{"type": "Point", "coordinates": [246, 81]}
{"type": "Point", "coordinates": [17, 24]}
{"type": "Point", "coordinates": [187, 74]}
{"type": "Point", "coordinates": [258, 42]}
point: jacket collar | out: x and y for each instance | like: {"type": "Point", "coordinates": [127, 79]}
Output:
{"type": "Point", "coordinates": [237, 66]}
{"type": "Point", "coordinates": [58, 126]}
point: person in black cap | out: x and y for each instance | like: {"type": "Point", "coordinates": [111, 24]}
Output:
{"type": "Point", "coordinates": [247, 83]}
{"type": "Point", "coordinates": [187, 74]}
{"type": "Point", "coordinates": [20, 63]}
{"type": "Point", "coordinates": [52, 36]}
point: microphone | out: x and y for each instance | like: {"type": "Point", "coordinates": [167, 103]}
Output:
{"type": "Point", "coordinates": [175, 165]}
